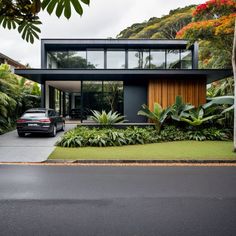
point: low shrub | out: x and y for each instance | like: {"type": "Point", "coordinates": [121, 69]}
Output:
{"type": "Point", "coordinates": [211, 133]}
{"type": "Point", "coordinates": [103, 137]}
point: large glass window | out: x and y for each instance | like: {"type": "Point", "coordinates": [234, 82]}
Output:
{"type": "Point", "coordinates": [77, 59]}
{"type": "Point", "coordinates": [138, 59]}
{"type": "Point", "coordinates": [92, 96]}
{"type": "Point", "coordinates": [157, 59]}
{"type": "Point", "coordinates": [186, 59]}
{"type": "Point", "coordinates": [57, 60]}
{"type": "Point", "coordinates": [116, 59]}
{"type": "Point", "coordinates": [173, 59]}
{"type": "Point", "coordinates": [95, 59]}
{"type": "Point", "coordinates": [113, 96]}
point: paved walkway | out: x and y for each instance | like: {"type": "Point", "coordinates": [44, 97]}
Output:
{"type": "Point", "coordinates": [32, 148]}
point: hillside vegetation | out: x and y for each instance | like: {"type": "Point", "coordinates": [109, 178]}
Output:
{"type": "Point", "coordinates": [165, 27]}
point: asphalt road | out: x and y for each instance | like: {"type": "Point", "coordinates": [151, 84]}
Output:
{"type": "Point", "coordinates": [47, 200]}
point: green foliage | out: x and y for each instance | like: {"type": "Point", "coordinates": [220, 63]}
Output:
{"type": "Point", "coordinates": [16, 96]}
{"type": "Point", "coordinates": [212, 133]}
{"type": "Point", "coordinates": [104, 118]}
{"type": "Point", "coordinates": [221, 88]}
{"type": "Point", "coordinates": [197, 117]}
{"type": "Point", "coordinates": [179, 108]}
{"type": "Point", "coordinates": [158, 115]}
{"type": "Point", "coordinates": [23, 14]}
{"type": "Point", "coordinates": [82, 137]}
{"type": "Point", "coordinates": [105, 137]}
{"type": "Point", "coordinates": [164, 27]}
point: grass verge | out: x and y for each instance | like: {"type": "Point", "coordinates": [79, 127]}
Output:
{"type": "Point", "coordinates": [182, 150]}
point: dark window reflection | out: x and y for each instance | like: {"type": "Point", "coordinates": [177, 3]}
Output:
{"type": "Point", "coordinates": [98, 95]}
{"type": "Point", "coordinates": [92, 96]}
{"type": "Point", "coordinates": [113, 96]}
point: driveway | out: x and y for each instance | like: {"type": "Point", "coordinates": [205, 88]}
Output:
{"type": "Point", "coordinates": [32, 148]}
{"type": "Point", "coordinates": [117, 201]}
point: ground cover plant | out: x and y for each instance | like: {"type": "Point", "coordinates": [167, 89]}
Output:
{"type": "Point", "coordinates": [105, 137]}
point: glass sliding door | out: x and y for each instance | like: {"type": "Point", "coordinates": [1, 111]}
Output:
{"type": "Point", "coordinates": [92, 96]}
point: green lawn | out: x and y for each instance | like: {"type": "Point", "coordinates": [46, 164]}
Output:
{"type": "Point", "coordinates": [182, 150]}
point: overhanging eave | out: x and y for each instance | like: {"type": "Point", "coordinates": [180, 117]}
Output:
{"type": "Point", "coordinates": [42, 75]}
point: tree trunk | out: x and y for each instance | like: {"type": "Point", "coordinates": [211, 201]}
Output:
{"type": "Point", "coordinates": [234, 70]}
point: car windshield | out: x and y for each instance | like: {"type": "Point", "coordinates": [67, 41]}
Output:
{"type": "Point", "coordinates": [34, 114]}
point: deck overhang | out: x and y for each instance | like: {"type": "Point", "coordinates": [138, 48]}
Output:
{"type": "Point", "coordinates": [42, 75]}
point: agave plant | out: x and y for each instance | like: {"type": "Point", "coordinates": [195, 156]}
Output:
{"type": "Point", "coordinates": [158, 115]}
{"type": "Point", "coordinates": [105, 118]}
{"type": "Point", "coordinates": [179, 108]}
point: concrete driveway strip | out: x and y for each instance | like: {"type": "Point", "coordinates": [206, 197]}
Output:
{"type": "Point", "coordinates": [34, 148]}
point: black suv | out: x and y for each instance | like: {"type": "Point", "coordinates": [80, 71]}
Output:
{"type": "Point", "coordinates": [40, 120]}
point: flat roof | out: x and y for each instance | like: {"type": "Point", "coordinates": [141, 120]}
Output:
{"type": "Point", "coordinates": [41, 75]}
{"type": "Point", "coordinates": [51, 44]}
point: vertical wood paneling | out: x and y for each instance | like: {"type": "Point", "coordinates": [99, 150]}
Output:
{"type": "Point", "coordinates": [164, 91]}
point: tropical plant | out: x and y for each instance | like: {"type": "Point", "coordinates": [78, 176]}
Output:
{"type": "Point", "coordinates": [23, 14]}
{"type": "Point", "coordinates": [196, 117]}
{"type": "Point", "coordinates": [104, 118]}
{"type": "Point", "coordinates": [179, 108]}
{"type": "Point", "coordinates": [16, 95]}
{"type": "Point", "coordinates": [158, 115]}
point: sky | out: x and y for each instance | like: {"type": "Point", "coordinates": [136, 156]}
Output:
{"type": "Point", "coordinates": [102, 19]}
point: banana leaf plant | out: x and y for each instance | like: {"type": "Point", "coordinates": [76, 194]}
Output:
{"type": "Point", "coordinates": [158, 115]}
{"type": "Point", "coordinates": [224, 100]}
{"type": "Point", "coordinates": [179, 108]}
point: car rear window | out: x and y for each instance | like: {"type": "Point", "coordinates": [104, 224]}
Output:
{"type": "Point", "coordinates": [34, 114]}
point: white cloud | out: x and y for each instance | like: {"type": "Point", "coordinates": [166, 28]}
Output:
{"type": "Point", "coordinates": [102, 19]}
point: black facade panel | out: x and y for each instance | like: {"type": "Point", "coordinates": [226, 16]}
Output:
{"type": "Point", "coordinates": [135, 94]}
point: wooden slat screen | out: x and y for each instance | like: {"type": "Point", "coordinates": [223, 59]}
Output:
{"type": "Point", "coordinates": [164, 91]}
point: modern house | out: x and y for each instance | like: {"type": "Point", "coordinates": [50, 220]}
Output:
{"type": "Point", "coordinates": [119, 74]}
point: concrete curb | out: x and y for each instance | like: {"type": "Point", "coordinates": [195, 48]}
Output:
{"type": "Point", "coordinates": [142, 161]}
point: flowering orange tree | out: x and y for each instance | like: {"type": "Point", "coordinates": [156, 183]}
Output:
{"type": "Point", "coordinates": [213, 25]}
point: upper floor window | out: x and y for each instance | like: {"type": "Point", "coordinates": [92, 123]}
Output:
{"type": "Point", "coordinates": [173, 59]}
{"type": "Point", "coordinates": [157, 59]}
{"type": "Point", "coordinates": [77, 59]}
{"type": "Point", "coordinates": [138, 59]}
{"type": "Point", "coordinates": [186, 59]}
{"type": "Point", "coordinates": [115, 59]}
{"type": "Point", "coordinates": [95, 59]}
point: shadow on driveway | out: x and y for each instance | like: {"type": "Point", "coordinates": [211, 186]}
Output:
{"type": "Point", "coordinates": [32, 148]}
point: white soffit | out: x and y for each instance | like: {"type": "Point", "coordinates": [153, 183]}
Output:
{"type": "Point", "coordinates": [66, 86]}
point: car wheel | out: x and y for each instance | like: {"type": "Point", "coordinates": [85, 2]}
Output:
{"type": "Point", "coordinates": [54, 131]}
{"type": "Point", "coordinates": [21, 134]}
{"type": "Point", "coordinates": [63, 127]}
